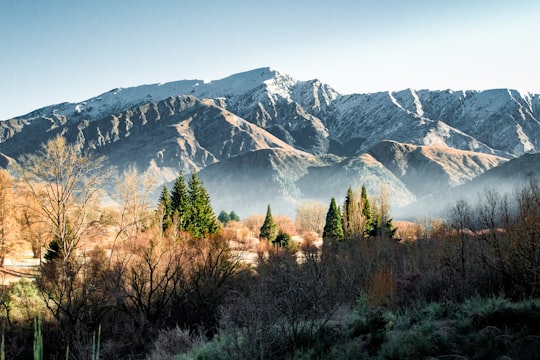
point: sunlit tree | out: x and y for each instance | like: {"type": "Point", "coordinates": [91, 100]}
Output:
{"type": "Point", "coordinates": [65, 183]}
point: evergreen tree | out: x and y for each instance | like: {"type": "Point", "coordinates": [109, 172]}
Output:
{"type": "Point", "coordinates": [179, 201]}
{"type": "Point", "coordinates": [224, 217]}
{"type": "Point", "coordinates": [283, 240]}
{"type": "Point", "coordinates": [268, 228]}
{"type": "Point", "coordinates": [165, 206]}
{"type": "Point", "coordinates": [234, 216]}
{"type": "Point", "coordinates": [389, 228]}
{"type": "Point", "coordinates": [333, 229]}
{"type": "Point", "coordinates": [369, 226]}
{"type": "Point", "coordinates": [202, 219]}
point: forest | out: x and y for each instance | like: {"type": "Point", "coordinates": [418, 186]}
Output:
{"type": "Point", "coordinates": [122, 277]}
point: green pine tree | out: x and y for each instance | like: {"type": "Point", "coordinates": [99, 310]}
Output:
{"type": "Point", "coordinates": [224, 217]}
{"type": "Point", "coordinates": [283, 240]}
{"type": "Point", "coordinates": [390, 229]}
{"type": "Point", "coordinates": [369, 226]}
{"type": "Point", "coordinates": [234, 216]}
{"type": "Point", "coordinates": [268, 228]}
{"type": "Point", "coordinates": [166, 206]}
{"type": "Point", "coordinates": [333, 228]}
{"type": "Point", "coordinates": [202, 219]}
{"type": "Point", "coordinates": [179, 201]}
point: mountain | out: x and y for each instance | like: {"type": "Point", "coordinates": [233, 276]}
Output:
{"type": "Point", "coordinates": [261, 136]}
{"type": "Point", "coordinates": [428, 169]}
{"type": "Point", "coordinates": [506, 180]}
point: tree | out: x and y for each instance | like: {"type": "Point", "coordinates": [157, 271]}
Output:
{"type": "Point", "coordinates": [382, 222]}
{"type": "Point", "coordinates": [283, 240]}
{"type": "Point", "coordinates": [269, 227]}
{"type": "Point", "coordinates": [310, 216]}
{"type": "Point", "coordinates": [224, 217]}
{"type": "Point", "coordinates": [333, 228]}
{"type": "Point", "coordinates": [202, 219]}
{"type": "Point", "coordinates": [353, 218]}
{"type": "Point", "coordinates": [132, 193]}
{"type": "Point", "coordinates": [234, 216]}
{"type": "Point", "coordinates": [366, 212]}
{"type": "Point", "coordinates": [180, 201]}
{"type": "Point", "coordinates": [65, 184]}
{"type": "Point", "coordinates": [165, 208]}
{"type": "Point", "coordinates": [8, 231]}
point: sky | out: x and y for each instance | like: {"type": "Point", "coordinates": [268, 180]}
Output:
{"type": "Point", "coordinates": [53, 51]}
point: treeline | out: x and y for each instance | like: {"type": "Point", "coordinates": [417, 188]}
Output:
{"type": "Point", "coordinates": [161, 282]}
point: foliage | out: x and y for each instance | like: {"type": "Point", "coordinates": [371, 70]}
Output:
{"type": "Point", "coordinates": [191, 208]}
{"type": "Point", "coordinates": [333, 228]}
{"type": "Point", "coordinates": [171, 343]}
{"type": "Point", "coordinates": [234, 216]}
{"type": "Point", "coordinates": [269, 228]}
{"type": "Point", "coordinates": [165, 208]}
{"type": "Point", "coordinates": [224, 217]}
{"type": "Point", "coordinates": [283, 240]}
{"type": "Point", "coordinates": [201, 219]}
{"type": "Point", "coordinates": [179, 201]}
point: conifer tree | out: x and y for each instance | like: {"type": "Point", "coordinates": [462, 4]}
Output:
{"type": "Point", "coordinates": [202, 219]}
{"type": "Point", "coordinates": [234, 216]}
{"type": "Point", "coordinates": [283, 240]}
{"type": "Point", "coordinates": [369, 226]}
{"type": "Point", "coordinates": [165, 206]}
{"type": "Point", "coordinates": [224, 217]}
{"type": "Point", "coordinates": [179, 201]}
{"type": "Point", "coordinates": [268, 228]}
{"type": "Point", "coordinates": [333, 229]}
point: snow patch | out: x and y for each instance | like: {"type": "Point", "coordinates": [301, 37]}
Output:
{"type": "Point", "coordinates": [417, 104]}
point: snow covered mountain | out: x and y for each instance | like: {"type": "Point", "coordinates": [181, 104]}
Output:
{"type": "Point", "coordinates": [308, 140]}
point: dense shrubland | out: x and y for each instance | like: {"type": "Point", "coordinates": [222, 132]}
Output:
{"type": "Point", "coordinates": [171, 281]}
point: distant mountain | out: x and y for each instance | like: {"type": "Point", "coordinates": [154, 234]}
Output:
{"type": "Point", "coordinates": [262, 136]}
{"type": "Point", "coordinates": [429, 169]}
{"type": "Point", "coordinates": [505, 180]}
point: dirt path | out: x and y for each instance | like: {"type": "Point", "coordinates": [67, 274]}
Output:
{"type": "Point", "coordinates": [15, 269]}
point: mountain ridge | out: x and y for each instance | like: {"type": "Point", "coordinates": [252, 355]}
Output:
{"type": "Point", "coordinates": [307, 126]}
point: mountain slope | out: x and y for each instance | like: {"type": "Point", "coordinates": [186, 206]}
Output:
{"type": "Point", "coordinates": [301, 139]}
{"type": "Point", "coordinates": [428, 169]}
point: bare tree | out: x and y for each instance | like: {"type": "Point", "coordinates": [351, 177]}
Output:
{"type": "Point", "coordinates": [311, 216]}
{"type": "Point", "coordinates": [132, 193]}
{"type": "Point", "coordinates": [65, 184]}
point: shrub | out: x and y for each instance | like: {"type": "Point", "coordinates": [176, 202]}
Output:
{"type": "Point", "coordinates": [171, 343]}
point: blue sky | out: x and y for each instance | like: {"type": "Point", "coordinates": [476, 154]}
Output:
{"type": "Point", "coordinates": [65, 50]}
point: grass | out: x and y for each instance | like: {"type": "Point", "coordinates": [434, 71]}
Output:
{"type": "Point", "coordinates": [479, 328]}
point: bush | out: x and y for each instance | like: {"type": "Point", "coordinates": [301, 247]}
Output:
{"type": "Point", "coordinates": [171, 343]}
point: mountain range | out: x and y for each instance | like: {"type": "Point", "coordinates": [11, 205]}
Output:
{"type": "Point", "coordinates": [262, 137]}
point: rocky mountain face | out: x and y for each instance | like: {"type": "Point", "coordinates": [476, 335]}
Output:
{"type": "Point", "coordinates": [263, 137]}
